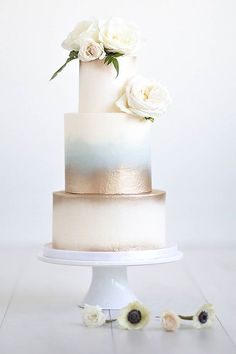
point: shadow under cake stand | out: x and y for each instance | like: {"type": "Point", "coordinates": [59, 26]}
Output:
{"type": "Point", "coordinates": [109, 287]}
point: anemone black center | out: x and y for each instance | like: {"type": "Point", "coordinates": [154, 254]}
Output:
{"type": "Point", "coordinates": [134, 316]}
{"type": "Point", "coordinates": [203, 317]}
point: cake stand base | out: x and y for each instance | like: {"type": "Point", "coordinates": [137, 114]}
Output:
{"type": "Point", "coordinates": [109, 287]}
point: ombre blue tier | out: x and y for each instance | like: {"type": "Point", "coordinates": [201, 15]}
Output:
{"type": "Point", "coordinates": [89, 158]}
{"type": "Point", "coordinates": [107, 153]}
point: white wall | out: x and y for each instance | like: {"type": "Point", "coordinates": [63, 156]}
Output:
{"type": "Point", "coordinates": [190, 47]}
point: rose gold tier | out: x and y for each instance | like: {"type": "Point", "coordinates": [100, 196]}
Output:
{"type": "Point", "coordinates": [95, 222]}
{"type": "Point", "coordinates": [120, 181]}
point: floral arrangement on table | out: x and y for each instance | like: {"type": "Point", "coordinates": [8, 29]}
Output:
{"type": "Point", "coordinates": [108, 40]}
{"type": "Point", "coordinates": [136, 316]}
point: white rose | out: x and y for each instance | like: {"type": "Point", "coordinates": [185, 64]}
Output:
{"type": "Point", "coordinates": [91, 50]}
{"type": "Point", "coordinates": [144, 98]}
{"type": "Point", "coordinates": [170, 321]}
{"type": "Point", "coordinates": [84, 30]}
{"type": "Point", "coordinates": [93, 316]}
{"type": "Point", "coordinates": [119, 36]}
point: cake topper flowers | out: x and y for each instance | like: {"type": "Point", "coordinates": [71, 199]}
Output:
{"type": "Point", "coordinates": [144, 98]}
{"type": "Point", "coordinates": [101, 40]}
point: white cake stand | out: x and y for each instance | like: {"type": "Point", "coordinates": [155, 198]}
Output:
{"type": "Point", "coordinates": [109, 286]}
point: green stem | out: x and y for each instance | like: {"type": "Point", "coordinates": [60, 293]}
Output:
{"type": "Point", "coordinates": [73, 55]}
{"type": "Point", "coordinates": [187, 318]}
{"type": "Point", "coordinates": [109, 321]}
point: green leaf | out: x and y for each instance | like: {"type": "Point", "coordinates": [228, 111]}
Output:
{"type": "Point", "coordinates": [117, 55]}
{"type": "Point", "coordinates": [116, 66]}
{"type": "Point", "coordinates": [110, 60]}
{"type": "Point", "coordinates": [73, 55]}
{"type": "Point", "coordinates": [150, 118]}
{"type": "Point", "coordinates": [106, 59]}
{"type": "Point", "coordinates": [114, 54]}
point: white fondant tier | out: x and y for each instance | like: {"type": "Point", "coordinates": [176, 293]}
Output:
{"type": "Point", "coordinates": [99, 88]}
{"type": "Point", "coordinates": [107, 153]}
{"type": "Point", "coordinates": [86, 222]}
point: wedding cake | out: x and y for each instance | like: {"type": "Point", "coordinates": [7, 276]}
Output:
{"type": "Point", "coordinates": [108, 203]}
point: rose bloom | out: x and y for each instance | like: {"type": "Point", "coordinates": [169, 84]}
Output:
{"type": "Point", "coordinates": [91, 50]}
{"type": "Point", "coordinates": [83, 31]}
{"type": "Point", "coordinates": [144, 98]}
{"type": "Point", "coordinates": [119, 36]}
{"type": "Point", "coordinates": [93, 316]}
{"type": "Point", "coordinates": [170, 321]}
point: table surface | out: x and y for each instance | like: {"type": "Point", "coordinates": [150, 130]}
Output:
{"type": "Point", "coordinates": [39, 313]}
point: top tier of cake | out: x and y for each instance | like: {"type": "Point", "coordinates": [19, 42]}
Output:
{"type": "Point", "coordinates": [99, 88]}
{"type": "Point", "coordinates": [106, 151]}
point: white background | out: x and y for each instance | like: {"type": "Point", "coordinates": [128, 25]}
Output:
{"type": "Point", "coordinates": [190, 47]}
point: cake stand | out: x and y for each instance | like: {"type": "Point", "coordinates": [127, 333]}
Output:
{"type": "Point", "coordinates": [109, 286]}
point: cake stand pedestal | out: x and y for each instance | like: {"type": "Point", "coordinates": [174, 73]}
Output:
{"type": "Point", "coordinates": [109, 287]}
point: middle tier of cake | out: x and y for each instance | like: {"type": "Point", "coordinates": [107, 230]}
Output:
{"type": "Point", "coordinates": [96, 222]}
{"type": "Point", "coordinates": [107, 153]}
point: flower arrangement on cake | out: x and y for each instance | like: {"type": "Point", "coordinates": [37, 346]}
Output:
{"type": "Point", "coordinates": [101, 39]}
{"type": "Point", "coordinates": [107, 40]}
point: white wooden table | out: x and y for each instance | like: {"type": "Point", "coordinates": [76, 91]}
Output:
{"type": "Point", "coordinates": [38, 312]}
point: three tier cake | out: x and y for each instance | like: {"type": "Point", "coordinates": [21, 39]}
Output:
{"type": "Point", "coordinates": [108, 203]}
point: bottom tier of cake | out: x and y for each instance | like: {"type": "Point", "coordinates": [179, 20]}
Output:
{"type": "Point", "coordinates": [99, 222]}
